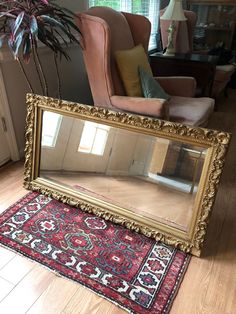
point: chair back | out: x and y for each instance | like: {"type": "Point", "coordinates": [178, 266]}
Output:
{"type": "Point", "coordinates": [105, 31]}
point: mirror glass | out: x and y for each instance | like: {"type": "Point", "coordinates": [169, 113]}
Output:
{"type": "Point", "coordinates": [153, 177]}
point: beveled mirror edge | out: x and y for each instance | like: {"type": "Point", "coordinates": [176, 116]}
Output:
{"type": "Point", "coordinates": [216, 140]}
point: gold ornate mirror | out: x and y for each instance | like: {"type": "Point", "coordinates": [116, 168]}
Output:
{"type": "Point", "coordinates": [153, 176]}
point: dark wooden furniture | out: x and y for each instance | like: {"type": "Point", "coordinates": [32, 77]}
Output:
{"type": "Point", "coordinates": [201, 67]}
{"type": "Point", "coordinates": [216, 21]}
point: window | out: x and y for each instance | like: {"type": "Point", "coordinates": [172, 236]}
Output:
{"type": "Point", "coordinates": [51, 126]}
{"type": "Point", "coordinates": [94, 138]}
{"type": "Point", "coordinates": [148, 8]}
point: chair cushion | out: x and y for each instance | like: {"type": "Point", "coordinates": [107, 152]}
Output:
{"type": "Point", "coordinates": [128, 62]}
{"type": "Point", "coordinates": [191, 111]}
{"type": "Point", "coordinates": [223, 75]}
{"type": "Point", "coordinates": [150, 87]}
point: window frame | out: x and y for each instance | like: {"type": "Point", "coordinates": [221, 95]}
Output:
{"type": "Point", "coordinates": [127, 6]}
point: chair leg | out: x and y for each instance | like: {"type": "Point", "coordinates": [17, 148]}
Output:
{"type": "Point", "coordinates": [226, 91]}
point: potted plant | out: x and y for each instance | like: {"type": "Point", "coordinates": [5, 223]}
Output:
{"type": "Point", "coordinates": [25, 23]}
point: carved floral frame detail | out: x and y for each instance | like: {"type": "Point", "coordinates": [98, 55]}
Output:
{"type": "Point", "coordinates": [217, 143]}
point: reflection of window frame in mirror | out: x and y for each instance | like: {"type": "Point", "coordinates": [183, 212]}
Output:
{"type": "Point", "coordinates": [96, 146]}
{"type": "Point", "coordinates": [52, 133]}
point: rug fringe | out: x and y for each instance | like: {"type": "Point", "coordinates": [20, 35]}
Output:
{"type": "Point", "coordinates": [178, 283]}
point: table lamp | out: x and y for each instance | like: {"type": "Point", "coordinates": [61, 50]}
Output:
{"type": "Point", "coordinates": [174, 12]}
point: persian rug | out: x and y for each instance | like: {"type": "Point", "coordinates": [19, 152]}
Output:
{"type": "Point", "coordinates": [133, 271]}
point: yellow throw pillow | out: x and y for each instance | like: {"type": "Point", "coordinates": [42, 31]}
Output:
{"type": "Point", "coordinates": [128, 62]}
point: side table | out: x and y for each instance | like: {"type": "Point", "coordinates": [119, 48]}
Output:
{"type": "Point", "coordinates": [201, 67]}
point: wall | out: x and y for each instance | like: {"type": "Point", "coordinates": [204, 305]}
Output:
{"type": "Point", "coordinates": [75, 86]}
{"type": "Point", "coordinates": [74, 5]}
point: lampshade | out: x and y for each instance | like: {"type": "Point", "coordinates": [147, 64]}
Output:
{"type": "Point", "coordinates": [174, 11]}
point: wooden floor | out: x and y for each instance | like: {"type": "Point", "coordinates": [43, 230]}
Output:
{"type": "Point", "coordinates": [156, 201]}
{"type": "Point", "coordinates": [209, 286]}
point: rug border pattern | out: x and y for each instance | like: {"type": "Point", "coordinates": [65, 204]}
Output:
{"type": "Point", "coordinates": [29, 197]}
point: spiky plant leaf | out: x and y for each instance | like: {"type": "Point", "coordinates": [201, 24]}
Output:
{"type": "Point", "coordinates": [51, 21]}
{"type": "Point", "coordinates": [26, 48]}
{"type": "Point", "coordinates": [33, 26]}
{"type": "Point", "coordinates": [17, 43]}
{"type": "Point", "coordinates": [45, 20]}
{"type": "Point", "coordinates": [18, 22]}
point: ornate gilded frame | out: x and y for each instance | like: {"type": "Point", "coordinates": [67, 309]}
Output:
{"type": "Point", "coordinates": [216, 143]}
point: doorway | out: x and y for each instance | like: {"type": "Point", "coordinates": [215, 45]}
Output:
{"type": "Point", "coordinates": [8, 145]}
{"type": "Point", "coordinates": [5, 154]}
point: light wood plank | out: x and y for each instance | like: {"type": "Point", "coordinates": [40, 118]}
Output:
{"type": "Point", "coordinates": [11, 184]}
{"type": "Point", "coordinates": [5, 256]}
{"type": "Point", "coordinates": [61, 291]}
{"type": "Point", "coordinates": [5, 288]}
{"type": "Point", "coordinates": [16, 269]}
{"type": "Point", "coordinates": [27, 291]}
{"type": "Point", "coordinates": [86, 302]}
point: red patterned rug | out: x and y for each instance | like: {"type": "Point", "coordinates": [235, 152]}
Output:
{"type": "Point", "coordinates": [129, 269]}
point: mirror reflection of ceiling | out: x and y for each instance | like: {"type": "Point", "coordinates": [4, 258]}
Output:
{"type": "Point", "coordinates": [151, 176]}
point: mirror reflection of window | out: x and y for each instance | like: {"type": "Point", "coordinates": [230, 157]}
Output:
{"type": "Point", "coordinates": [51, 127]}
{"type": "Point", "coordinates": [94, 138]}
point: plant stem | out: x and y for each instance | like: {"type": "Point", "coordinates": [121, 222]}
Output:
{"type": "Point", "coordinates": [43, 74]}
{"type": "Point", "coordinates": [58, 75]}
{"type": "Point", "coordinates": [40, 69]}
{"type": "Point", "coordinates": [25, 75]}
{"type": "Point", "coordinates": [37, 69]}
{"type": "Point", "coordinates": [57, 70]}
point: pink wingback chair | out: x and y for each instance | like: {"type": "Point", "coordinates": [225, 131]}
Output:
{"type": "Point", "coordinates": [183, 41]}
{"type": "Point", "coordinates": [105, 31]}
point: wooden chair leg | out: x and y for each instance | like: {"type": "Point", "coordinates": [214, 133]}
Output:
{"type": "Point", "coordinates": [226, 91]}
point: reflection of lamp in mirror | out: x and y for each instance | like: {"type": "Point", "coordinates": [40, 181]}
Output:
{"type": "Point", "coordinates": [174, 12]}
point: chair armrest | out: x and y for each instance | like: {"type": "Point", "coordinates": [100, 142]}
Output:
{"type": "Point", "coordinates": [178, 85]}
{"type": "Point", "coordinates": [154, 107]}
